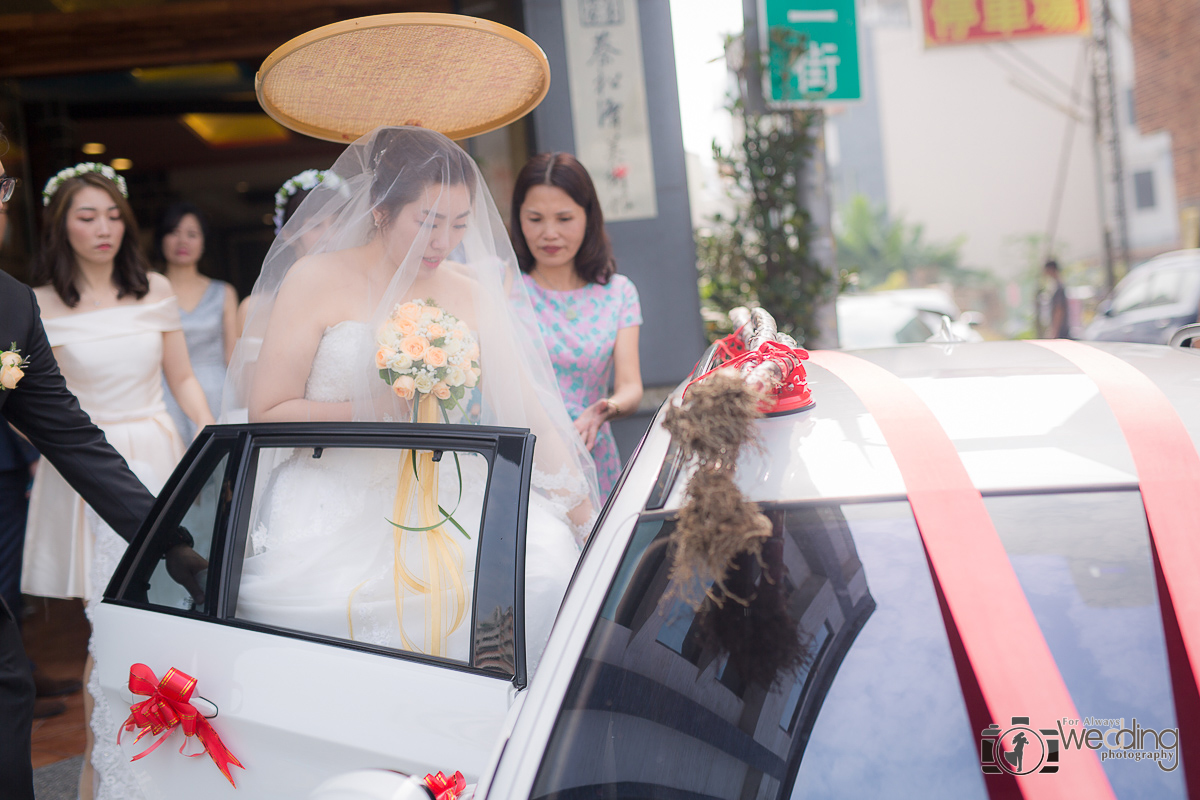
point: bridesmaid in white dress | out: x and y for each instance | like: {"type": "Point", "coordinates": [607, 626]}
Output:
{"type": "Point", "coordinates": [116, 332]}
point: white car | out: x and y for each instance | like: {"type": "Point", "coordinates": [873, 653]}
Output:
{"type": "Point", "coordinates": [902, 316]}
{"type": "Point", "coordinates": [961, 585]}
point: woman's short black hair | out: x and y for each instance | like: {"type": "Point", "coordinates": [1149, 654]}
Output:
{"type": "Point", "coordinates": [594, 262]}
{"type": "Point", "coordinates": [170, 220]}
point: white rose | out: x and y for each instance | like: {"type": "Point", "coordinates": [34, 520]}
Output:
{"type": "Point", "coordinates": [455, 376]}
{"type": "Point", "coordinates": [424, 382]}
{"type": "Point", "coordinates": [400, 363]}
{"type": "Point", "coordinates": [452, 346]}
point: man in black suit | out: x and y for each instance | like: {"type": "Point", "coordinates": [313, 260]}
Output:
{"type": "Point", "coordinates": [41, 407]}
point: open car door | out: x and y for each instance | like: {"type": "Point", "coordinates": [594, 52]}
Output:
{"type": "Point", "coordinates": [297, 700]}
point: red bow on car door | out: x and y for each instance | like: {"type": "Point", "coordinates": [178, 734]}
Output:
{"type": "Point", "coordinates": [168, 705]}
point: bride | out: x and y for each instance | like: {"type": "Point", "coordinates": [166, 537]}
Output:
{"type": "Point", "coordinates": [407, 235]}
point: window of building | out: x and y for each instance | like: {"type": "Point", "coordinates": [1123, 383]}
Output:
{"type": "Point", "coordinates": [1143, 189]}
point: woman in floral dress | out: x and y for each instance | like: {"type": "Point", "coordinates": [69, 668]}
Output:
{"type": "Point", "coordinates": [589, 315]}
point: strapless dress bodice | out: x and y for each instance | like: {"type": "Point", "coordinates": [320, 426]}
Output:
{"type": "Point", "coordinates": [342, 355]}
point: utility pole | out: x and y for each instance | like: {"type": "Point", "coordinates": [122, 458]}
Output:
{"type": "Point", "coordinates": [1107, 132]}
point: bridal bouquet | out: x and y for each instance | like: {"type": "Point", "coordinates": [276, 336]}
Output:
{"type": "Point", "coordinates": [424, 349]}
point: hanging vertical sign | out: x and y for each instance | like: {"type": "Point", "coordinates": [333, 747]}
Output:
{"type": "Point", "coordinates": [812, 51]}
{"type": "Point", "coordinates": [608, 104]}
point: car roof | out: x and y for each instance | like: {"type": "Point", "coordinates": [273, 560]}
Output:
{"type": "Point", "coordinates": [1022, 418]}
{"type": "Point", "coordinates": [1172, 260]}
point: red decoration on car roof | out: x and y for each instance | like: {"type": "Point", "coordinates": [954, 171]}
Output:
{"type": "Point", "coordinates": [773, 368]}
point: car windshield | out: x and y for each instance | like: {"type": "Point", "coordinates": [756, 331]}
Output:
{"type": "Point", "coordinates": [839, 656]}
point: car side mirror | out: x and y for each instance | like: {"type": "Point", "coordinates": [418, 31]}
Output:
{"type": "Point", "coordinates": [372, 784]}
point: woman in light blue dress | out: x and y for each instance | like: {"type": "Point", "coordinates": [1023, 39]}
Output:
{"type": "Point", "coordinates": [208, 307]}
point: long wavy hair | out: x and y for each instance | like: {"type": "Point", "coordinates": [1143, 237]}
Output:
{"type": "Point", "coordinates": [56, 263]}
{"type": "Point", "coordinates": [594, 262]}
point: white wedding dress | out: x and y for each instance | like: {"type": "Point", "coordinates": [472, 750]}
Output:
{"type": "Point", "coordinates": [321, 552]}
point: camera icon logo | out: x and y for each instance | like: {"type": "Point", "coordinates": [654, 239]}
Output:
{"type": "Point", "coordinates": [1019, 750]}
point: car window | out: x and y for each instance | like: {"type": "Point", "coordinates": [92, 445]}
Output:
{"type": "Point", "coordinates": [376, 545]}
{"type": "Point", "coordinates": [1084, 562]}
{"type": "Point", "coordinates": [199, 505]}
{"type": "Point", "coordinates": [838, 656]}
{"type": "Point", "coordinates": [1132, 293]}
{"type": "Point", "coordinates": [1166, 287]}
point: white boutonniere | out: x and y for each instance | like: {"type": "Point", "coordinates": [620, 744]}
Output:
{"type": "Point", "coordinates": [11, 368]}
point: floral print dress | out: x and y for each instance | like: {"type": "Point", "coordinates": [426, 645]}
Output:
{"type": "Point", "coordinates": [580, 328]}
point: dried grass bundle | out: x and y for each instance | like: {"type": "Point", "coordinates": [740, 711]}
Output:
{"type": "Point", "coordinates": [716, 419]}
{"type": "Point", "coordinates": [717, 524]}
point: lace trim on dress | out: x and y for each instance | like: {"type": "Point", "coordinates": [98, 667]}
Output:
{"type": "Point", "coordinates": [115, 779]}
{"type": "Point", "coordinates": [565, 490]}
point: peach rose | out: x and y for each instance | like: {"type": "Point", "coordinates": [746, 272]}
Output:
{"type": "Point", "coordinates": [404, 387]}
{"type": "Point", "coordinates": [10, 359]}
{"type": "Point", "coordinates": [409, 311]}
{"type": "Point", "coordinates": [435, 357]}
{"type": "Point", "coordinates": [435, 331]}
{"type": "Point", "coordinates": [456, 335]}
{"type": "Point", "coordinates": [431, 312]}
{"type": "Point", "coordinates": [473, 351]}
{"type": "Point", "coordinates": [383, 357]}
{"type": "Point", "coordinates": [472, 378]}
{"type": "Point", "coordinates": [406, 326]}
{"type": "Point", "coordinates": [9, 375]}
{"type": "Point", "coordinates": [414, 346]}
{"type": "Point", "coordinates": [441, 391]}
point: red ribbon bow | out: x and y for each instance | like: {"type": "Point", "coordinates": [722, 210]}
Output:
{"type": "Point", "coordinates": [168, 705]}
{"type": "Point", "coordinates": [446, 788]}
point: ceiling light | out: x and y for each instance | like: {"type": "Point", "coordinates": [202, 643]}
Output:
{"type": "Point", "coordinates": [93, 149]}
{"type": "Point", "coordinates": [121, 164]}
{"type": "Point", "coordinates": [236, 130]}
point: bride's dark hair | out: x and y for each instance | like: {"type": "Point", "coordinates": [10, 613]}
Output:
{"type": "Point", "coordinates": [407, 160]}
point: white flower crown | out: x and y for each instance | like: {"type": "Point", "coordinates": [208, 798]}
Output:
{"type": "Point", "coordinates": [65, 175]}
{"type": "Point", "coordinates": [307, 181]}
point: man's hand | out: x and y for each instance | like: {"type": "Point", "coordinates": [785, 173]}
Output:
{"type": "Point", "coordinates": [183, 565]}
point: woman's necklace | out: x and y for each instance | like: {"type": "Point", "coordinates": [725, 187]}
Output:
{"type": "Point", "coordinates": [566, 295]}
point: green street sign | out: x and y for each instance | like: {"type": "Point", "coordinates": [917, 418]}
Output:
{"type": "Point", "coordinates": [812, 51]}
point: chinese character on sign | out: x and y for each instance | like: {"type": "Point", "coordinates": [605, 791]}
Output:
{"type": "Point", "coordinates": [953, 19]}
{"type": "Point", "coordinates": [1005, 16]}
{"type": "Point", "coordinates": [608, 104]}
{"type": "Point", "coordinates": [1056, 15]}
{"type": "Point", "coordinates": [607, 82]}
{"type": "Point", "coordinates": [594, 13]}
{"type": "Point", "coordinates": [816, 71]}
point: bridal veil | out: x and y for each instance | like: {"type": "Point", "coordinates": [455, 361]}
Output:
{"type": "Point", "coordinates": [407, 176]}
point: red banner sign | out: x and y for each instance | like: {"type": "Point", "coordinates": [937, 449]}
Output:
{"type": "Point", "coordinates": [977, 21]}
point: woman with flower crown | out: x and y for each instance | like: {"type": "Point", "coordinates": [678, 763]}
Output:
{"type": "Point", "coordinates": [373, 318]}
{"type": "Point", "coordinates": [116, 332]}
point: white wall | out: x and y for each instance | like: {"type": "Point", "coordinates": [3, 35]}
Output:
{"type": "Point", "coordinates": [967, 152]}
{"type": "Point", "coordinates": [968, 149]}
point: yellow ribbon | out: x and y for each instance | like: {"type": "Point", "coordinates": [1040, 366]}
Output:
{"type": "Point", "coordinates": [443, 556]}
